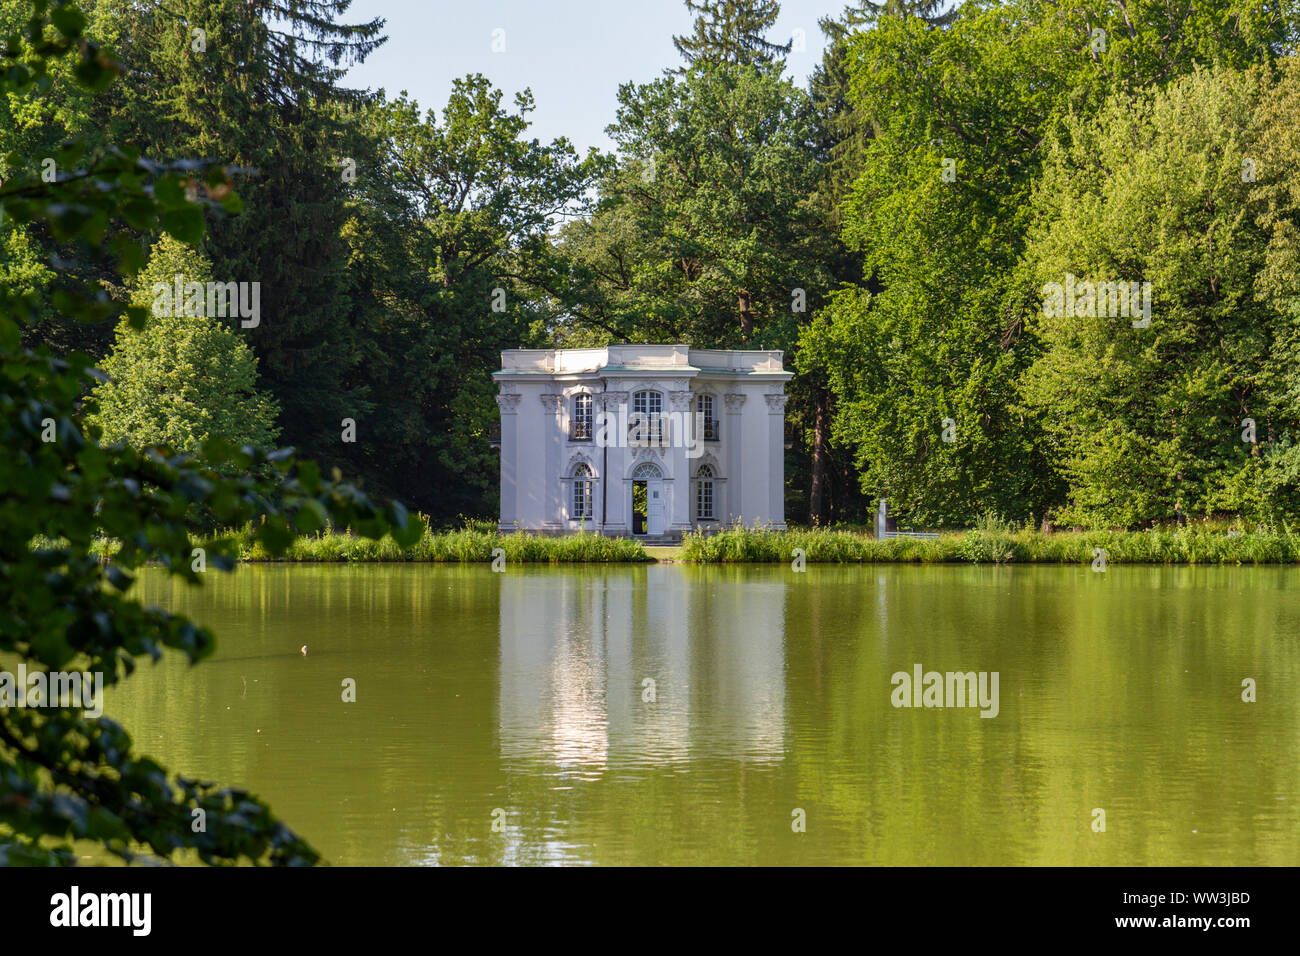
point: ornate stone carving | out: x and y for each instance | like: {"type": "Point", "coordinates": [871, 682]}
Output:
{"type": "Point", "coordinates": [708, 459]}
{"type": "Point", "coordinates": [775, 403]}
{"type": "Point", "coordinates": [579, 459]}
{"type": "Point", "coordinates": [509, 404]}
{"type": "Point", "coordinates": [681, 401]}
{"type": "Point", "coordinates": [654, 456]}
{"type": "Point", "coordinates": [552, 401]}
{"type": "Point", "coordinates": [610, 401]}
{"type": "Point", "coordinates": [734, 400]}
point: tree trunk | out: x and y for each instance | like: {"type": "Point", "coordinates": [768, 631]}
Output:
{"type": "Point", "coordinates": [821, 452]}
{"type": "Point", "coordinates": [746, 316]}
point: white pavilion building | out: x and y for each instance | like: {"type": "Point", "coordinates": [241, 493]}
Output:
{"type": "Point", "coordinates": [645, 440]}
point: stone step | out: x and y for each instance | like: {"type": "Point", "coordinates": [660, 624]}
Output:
{"type": "Point", "coordinates": [655, 540]}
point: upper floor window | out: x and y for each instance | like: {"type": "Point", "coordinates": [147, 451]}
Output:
{"type": "Point", "coordinates": [646, 423]}
{"type": "Point", "coordinates": [580, 427]}
{"type": "Point", "coordinates": [704, 493]}
{"type": "Point", "coordinates": [704, 409]}
{"type": "Point", "coordinates": [581, 492]}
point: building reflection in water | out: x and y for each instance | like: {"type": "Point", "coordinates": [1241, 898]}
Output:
{"type": "Point", "coordinates": [578, 649]}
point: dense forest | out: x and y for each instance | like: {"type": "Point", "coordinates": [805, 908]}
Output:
{"type": "Point", "coordinates": [895, 226]}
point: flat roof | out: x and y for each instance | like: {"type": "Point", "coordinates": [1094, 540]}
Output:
{"type": "Point", "coordinates": [633, 359]}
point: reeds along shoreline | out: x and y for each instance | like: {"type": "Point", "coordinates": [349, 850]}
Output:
{"type": "Point", "coordinates": [739, 545]}
{"type": "Point", "coordinates": [468, 545]}
{"type": "Point", "coordinates": [1186, 545]}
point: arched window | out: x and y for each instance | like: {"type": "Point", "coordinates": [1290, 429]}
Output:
{"type": "Point", "coordinates": [704, 409]}
{"type": "Point", "coordinates": [580, 425]}
{"type": "Point", "coordinates": [581, 492]}
{"type": "Point", "coordinates": [645, 425]}
{"type": "Point", "coordinates": [704, 493]}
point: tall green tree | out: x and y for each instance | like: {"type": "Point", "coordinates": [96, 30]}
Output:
{"type": "Point", "coordinates": [731, 31]}
{"type": "Point", "coordinates": [709, 230]}
{"type": "Point", "coordinates": [184, 378]}
{"type": "Point", "coordinates": [258, 85]}
{"type": "Point", "coordinates": [924, 354]}
{"type": "Point", "coordinates": [1276, 198]}
{"type": "Point", "coordinates": [924, 351]}
{"type": "Point", "coordinates": [705, 231]}
{"type": "Point", "coordinates": [32, 130]}
{"type": "Point", "coordinates": [844, 127]}
{"type": "Point", "coordinates": [67, 777]}
{"type": "Point", "coordinates": [448, 236]}
{"type": "Point", "coordinates": [1143, 419]}
{"type": "Point", "coordinates": [842, 131]}
{"type": "Point", "coordinates": [931, 11]}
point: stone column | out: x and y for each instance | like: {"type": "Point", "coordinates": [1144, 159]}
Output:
{"type": "Point", "coordinates": [733, 442]}
{"type": "Point", "coordinates": [553, 481]}
{"type": "Point", "coordinates": [677, 483]}
{"type": "Point", "coordinates": [509, 405]}
{"type": "Point", "coordinates": [611, 449]}
{"type": "Point", "coordinates": [776, 459]}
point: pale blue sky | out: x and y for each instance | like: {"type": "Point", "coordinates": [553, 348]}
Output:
{"type": "Point", "coordinates": [572, 53]}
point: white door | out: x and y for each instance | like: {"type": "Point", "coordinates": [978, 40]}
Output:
{"type": "Point", "coordinates": [654, 506]}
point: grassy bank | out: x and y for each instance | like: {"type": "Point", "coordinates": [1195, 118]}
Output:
{"type": "Point", "coordinates": [466, 545]}
{"type": "Point", "coordinates": [984, 545]}
{"type": "Point", "coordinates": [472, 544]}
{"type": "Point", "coordinates": [987, 545]}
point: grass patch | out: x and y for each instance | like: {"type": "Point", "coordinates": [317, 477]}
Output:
{"type": "Point", "coordinates": [464, 546]}
{"type": "Point", "coordinates": [472, 544]}
{"type": "Point", "coordinates": [991, 544]}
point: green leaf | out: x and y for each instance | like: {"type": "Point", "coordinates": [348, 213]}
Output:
{"type": "Point", "coordinates": [184, 224]}
{"type": "Point", "coordinates": [310, 517]}
{"type": "Point", "coordinates": [69, 21]}
{"type": "Point", "coordinates": [275, 534]}
{"type": "Point", "coordinates": [140, 213]}
{"type": "Point", "coordinates": [169, 191]}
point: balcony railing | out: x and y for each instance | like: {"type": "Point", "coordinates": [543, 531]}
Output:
{"type": "Point", "coordinates": [645, 429]}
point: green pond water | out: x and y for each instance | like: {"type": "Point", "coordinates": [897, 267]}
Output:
{"type": "Point", "coordinates": [504, 718]}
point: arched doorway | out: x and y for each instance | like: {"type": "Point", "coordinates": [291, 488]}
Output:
{"type": "Point", "coordinates": [647, 499]}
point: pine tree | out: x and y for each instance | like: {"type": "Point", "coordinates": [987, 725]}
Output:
{"type": "Point", "coordinates": [731, 31]}
{"type": "Point", "coordinates": [258, 85]}
{"type": "Point", "coordinates": [845, 129]}
{"type": "Point", "coordinates": [866, 11]}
